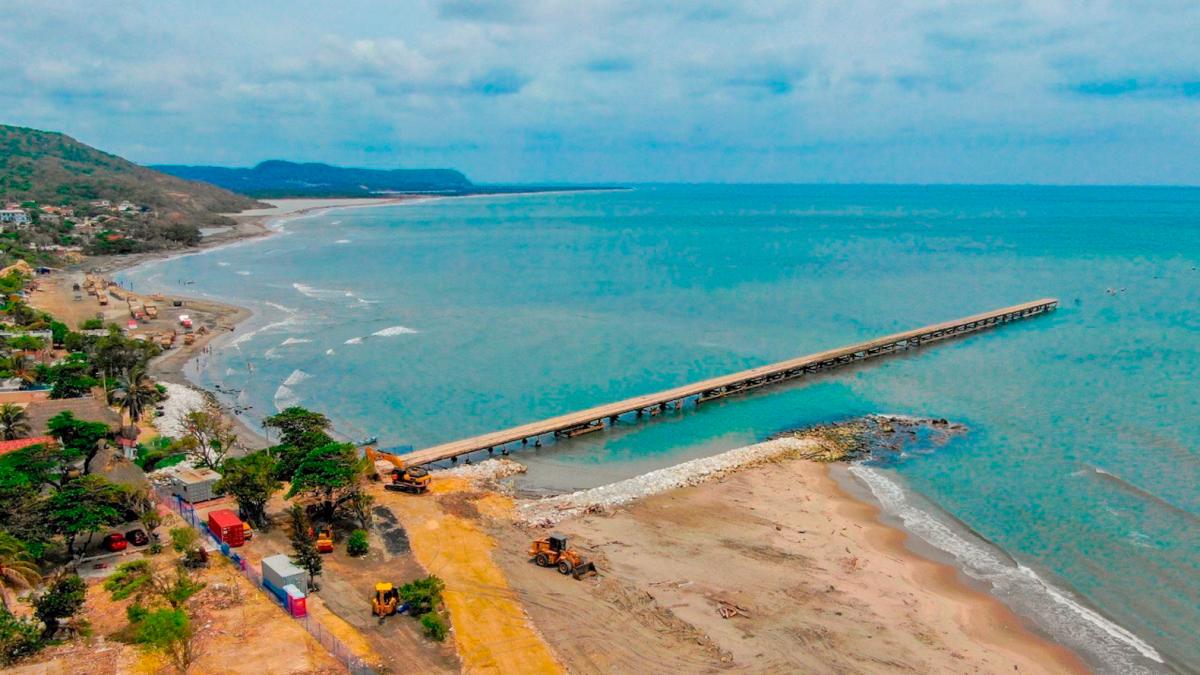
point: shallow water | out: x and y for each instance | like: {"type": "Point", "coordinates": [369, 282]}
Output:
{"type": "Point", "coordinates": [427, 322]}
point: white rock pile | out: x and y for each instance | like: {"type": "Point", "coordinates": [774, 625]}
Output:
{"type": "Point", "coordinates": [550, 510]}
{"type": "Point", "coordinates": [488, 469]}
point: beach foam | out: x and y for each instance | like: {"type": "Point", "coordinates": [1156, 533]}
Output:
{"type": "Point", "coordinates": [342, 241]}
{"type": "Point", "coordinates": [354, 341]}
{"type": "Point", "coordinates": [1017, 584]}
{"type": "Point", "coordinates": [296, 378]}
{"type": "Point", "coordinates": [294, 341]}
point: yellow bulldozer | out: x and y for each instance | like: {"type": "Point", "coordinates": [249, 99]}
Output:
{"type": "Point", "coordinates": [553, 551]}
{"type": "Point", "coordinates": [401, 478]}
{"type": "Point", "coordinates": [386, 601]}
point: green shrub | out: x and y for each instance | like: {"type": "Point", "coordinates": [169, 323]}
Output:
{"type": "Point", "coordinates": [18, 637]}
{"type": "Point", "coordinates": [422, 595]}
{"type": "Point", "coordinates": [61, 600]}
{"type": "Point", "coordinates": [434, 625]}
{"type": "Point", "coordinates": [357, 544]}
{"type": "Point", "coordinates": [92, 324]}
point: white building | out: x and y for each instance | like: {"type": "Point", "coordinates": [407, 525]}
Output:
{"type": "Point", "coordinates": [127, 206]}
{"type": "Point", "coordinates": [14, 217]}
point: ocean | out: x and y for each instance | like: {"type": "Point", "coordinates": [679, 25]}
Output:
{"type": "Point", "coordinates": [1073, 495]}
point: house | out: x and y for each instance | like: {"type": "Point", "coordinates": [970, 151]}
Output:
{"type": "Point", "coordinates": [101, 204]}
{"type": "Point", "coordinates": [194, 485]}
{"type": "Point", "coordinates": [18, 217]}
{"type": "Point", "coordinates": [127, 206]}
{"type": "Point", "coordinates": [22, 443]}
{"type": "Point", "coordinates": [39, 413]}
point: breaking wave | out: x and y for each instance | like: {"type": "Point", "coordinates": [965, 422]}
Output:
{"type": "Point", "coordinates": [1064, 617]}
{"type": "Point", "coordinates": [296, 378]}
{"type": "Point", "coordinates": [342, 241]}
{"type": "Point", "coordinates": [394, 330]}
{"type": "Point", "coordinates": [354, 341]}
{"type": "Point", "coordinates": [294, 341]}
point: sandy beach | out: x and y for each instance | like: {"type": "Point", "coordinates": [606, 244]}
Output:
{"type": "Point", "coordinates": [816, 583]}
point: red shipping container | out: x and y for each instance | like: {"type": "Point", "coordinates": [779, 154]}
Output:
{"type": "Point", "coordinates": [226, 526]}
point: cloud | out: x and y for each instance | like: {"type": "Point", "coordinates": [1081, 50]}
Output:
{"type": "Point", "coordinates": [613, 90]}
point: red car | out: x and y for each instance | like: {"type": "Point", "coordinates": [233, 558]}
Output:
{"type": "Point", "coordinates": [115, 542]}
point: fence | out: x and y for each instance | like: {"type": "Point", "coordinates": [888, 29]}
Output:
{"type": "Point", "coordinates": [328, 640]}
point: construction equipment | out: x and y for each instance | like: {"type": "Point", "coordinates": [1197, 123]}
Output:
{"type": "Point", "coordinates": [403, 478]}
{"type": "Point", "coordinates": [151, 311]}
{"type": "Point", "coordinates": [386, 601]}
{"type": "Point", "coordinates": [325, 540]}
{"type": "Point", "coordinates": [552, 551]}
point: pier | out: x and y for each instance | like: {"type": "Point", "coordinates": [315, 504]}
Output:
{"type": "Point", "coordinates": [600, 417]}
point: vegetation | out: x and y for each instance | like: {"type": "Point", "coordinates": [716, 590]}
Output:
{"type": "Point", "coordinates": [19, 637]}
{"type": "Point", "coordinates": [47, 168]}
{"type": "Point", "coordinates": [209, 438]}
{"type": "Point", "coordinates": [61, 600]}
{"type": "Point", "coordinates": [135, 392]}
{"type": "Point", "coordinates": [330, 476]}
{"type": "Point", "coordinates": [424, 599]}
{"type": "Point", "coordinates": [304, 546]}
{"type": "Point", "coordinates": [17, 567]}
{"type": "Point", "coordinates": [358, 545]}
{"type": "Point", "coordinates": [169, 631]}
{"type": "Point", "coordinates": [252, 481]}
{"type": "Point", "coordinates": [158, 613]}
{"type": "Point", "coordinates": [79, 438]}
{"type": "Point", "coordinates": [86, 506]}
{"type": "Point", "coordinates": [13, 422]}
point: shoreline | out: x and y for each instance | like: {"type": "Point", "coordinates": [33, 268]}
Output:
{"type": "Point", "coordinates": [258, 226]}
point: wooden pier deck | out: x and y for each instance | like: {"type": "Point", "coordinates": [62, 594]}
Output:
{"type": "Point", "coordinates": [593, 419]}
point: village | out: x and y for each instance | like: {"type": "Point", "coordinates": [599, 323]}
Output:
{"type": "Point", "coordinates": [70, 231]}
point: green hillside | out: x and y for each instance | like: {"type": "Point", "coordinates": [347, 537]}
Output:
{"type": "Point", "coordinates": [55, 170]}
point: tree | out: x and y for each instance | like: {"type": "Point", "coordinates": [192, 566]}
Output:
{"type": "Point", "coordinates": [210, 437]}
{"type": "Point", "coordinates": [62, 600]}
{"type": "Point", "coordinates": [304, 546]}
{"type": "Point", "coordinates": [72, 378]}
{"type": "Point", "coordinates": [151, 519]}
{"type": "Point", "coordinates": [135, 392]}
{"type": "Point", "coordinates": [296, 426]}
{"type": "Point", "coordinates": [22, 506]}
{"type": "Point", "coordinates": [77, 436]}
{"type": "Point", "coordinates": [359, 505]}
{"type": "Point", "coordinates": [20, 367]}
{"type": "Point", "coordinates": [14, 423]}
{"type": "Point", "coordinates": [85, 506]}
{"type": "Point", "coordinates": [149, 586]}
{"type": "Point", "coordinates": [183, 539]}
{"type": "Point", "coordinates": [329, 475]}
{"type": "Point", "coordinates": [17, 568]}
{"type": "Point", "coordinates": [170, 632]}
{"type": "Point", "coordinates": [252, 481]}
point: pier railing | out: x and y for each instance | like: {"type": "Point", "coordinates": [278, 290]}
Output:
{"type": "Point", "coordinates": [594, 419]}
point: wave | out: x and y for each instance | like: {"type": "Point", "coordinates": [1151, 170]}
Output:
{"type": "Point", "coordinates": [1064, 617]}
{"type": "Point", "coordinates": [394, 330]}
{"type": "Point", "coordinates": [320, 293]}
{"type": "Point", "coordinates": [223, 264]}
{"type": "Point", "coordinates": [296, 378]}
{"type": "Point", "coordinates": [242, 338]}
{"type": "Point", "coordinates": [1121, 483]}
{"type": "Point", "coordinates": [342, 241]}
{"type": "Point", "coordinates": [354, 341]}
{"type": "Point", "coordinates": [329, 352]}
{"type": "Point", "coordinates": [294, 341]}
{"type": "Point", "coordinates": [285, 397]}
{"type": "Point", "coordinates": [365, 301]}
{"type": "Point", "coordinates": [244, 273]}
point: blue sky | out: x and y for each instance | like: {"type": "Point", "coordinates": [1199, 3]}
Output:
{"type": "Point", "coordinates": [625, 90]}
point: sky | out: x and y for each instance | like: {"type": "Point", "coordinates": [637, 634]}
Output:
{"type": "Point", "coordinates": [923, 91]}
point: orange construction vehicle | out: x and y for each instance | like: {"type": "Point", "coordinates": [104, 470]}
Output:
{"type": "Point", "coordinates": [386, 600]}
{"type": "Point", "coordinates": [552, 551]}
{"type": "Point", "coordinates": [325, 540]}
{"type": "Point", "coordinates": [401, 478]}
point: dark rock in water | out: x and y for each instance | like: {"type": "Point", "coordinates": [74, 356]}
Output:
{"type": "Point", "coordinates": [878, 437]}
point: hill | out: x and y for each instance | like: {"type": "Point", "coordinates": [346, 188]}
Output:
{"type": "Point", "coordinates": [277, 178]}
{"type": "Point", "coordinates": [54, 170]}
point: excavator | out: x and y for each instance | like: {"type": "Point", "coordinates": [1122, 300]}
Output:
{"type": "Point", "coordinates": [552, 551]}
{"type": "Point", "coordinates": [403, 478]}
{"type": "Point", "coordinates": [386, 601]}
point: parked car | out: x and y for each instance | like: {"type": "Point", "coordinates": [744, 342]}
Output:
{"type": "Point", "coordinates": [137, 537]}
{"type": "Point", "coordinates": [115, 542]}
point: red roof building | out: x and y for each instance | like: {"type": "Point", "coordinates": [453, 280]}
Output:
{"type": "Point", "coordinates": [22, 443]}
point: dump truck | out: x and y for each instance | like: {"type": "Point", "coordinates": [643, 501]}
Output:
{"type": "Point", "coordinates": [553, 551]}
{"type": "Point", "coordinates": [103, 298]}
{"type": "Point", "coordinates": [401, 478]}
{"type": "Point", "coordinates": [151, 311]}
{"type": "Point", "coordinates": [325, 540]}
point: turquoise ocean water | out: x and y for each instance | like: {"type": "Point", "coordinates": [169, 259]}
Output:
{"type": "Point", "coordinates": [1074, 495]}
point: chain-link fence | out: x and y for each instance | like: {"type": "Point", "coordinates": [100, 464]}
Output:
{"type": "Point", "coordinates": [328, 640]}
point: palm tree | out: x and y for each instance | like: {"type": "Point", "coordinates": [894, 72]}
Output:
{"type": "Point", "coordinates": [20, 367]}
{"type": "Point", "coordinates": [17, 568]}
{"type": "Point", "coordinates": [135, 392]}
{"type": "Point", "coordinates": [14, 423]}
